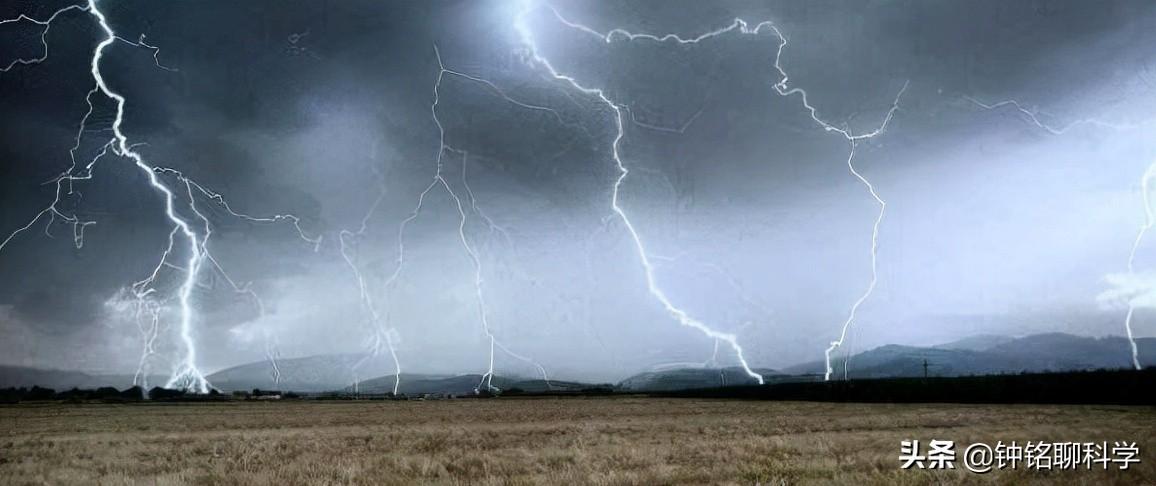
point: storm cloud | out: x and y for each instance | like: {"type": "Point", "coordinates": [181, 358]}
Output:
{"type": "Point", "coordinates": [317, 109]}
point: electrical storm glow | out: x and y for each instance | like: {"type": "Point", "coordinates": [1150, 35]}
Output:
{"type": "Point", "coordinates": [569, 190]}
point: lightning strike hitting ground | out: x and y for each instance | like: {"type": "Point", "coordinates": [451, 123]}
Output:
{"type": "Point", "coordinates": [187, 375]}
{"type": "Point", "coordinates": [272, 354]}
{"type": "Point", "coordinates": [170, 291]}
{"type": "Point", "coordinates": [1149, 221]}
{"type": "Point", "coordinates": [471, 252]}
{"type": "Point", "coordinates": [379, 335]}
{"type": "Point", "coordinates": [1036, 118]}
{"type": "Point", "coordinates": [739, 26]}
{"type": "Point", "coordinates": [852, 141]}
{"type": "Point", "coordinates": [527, 37]}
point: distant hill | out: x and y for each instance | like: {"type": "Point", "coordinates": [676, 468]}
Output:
{"type": "Point", "coordinates": [309, 374]}
{"type": "Point", "coordinates": [976, 355]}
{"type": "Point", "coordinates": [692, 378]}
{"type": "Point", "coordinates": [1039, 352]}
{"type": "Point", "coordinates": [422, 384]}
{"type": "Point", "coordinates": [324, 373]}
{"type": "Point", "coordinates": [894, 361]}
{"type": "Point", "coordinates": [465, 385]}
{"type": "Point", "coordinates": [23, 376]}
{"type": "Point", "coordinates": [1059, 351]}
{"type": "Point", "coordinates": [979, 342]}
{"type": "Point", "coordinates": [542, 386]}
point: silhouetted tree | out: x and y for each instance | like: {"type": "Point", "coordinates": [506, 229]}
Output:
{"type": "Point", "coordinates": [38, 393]}
{"type": "Point", "coordinates": [105, 392]}
{"type": "Point", "coordinates": [158, 393]}
{"type": "Point", "coordinates": [134, 393]}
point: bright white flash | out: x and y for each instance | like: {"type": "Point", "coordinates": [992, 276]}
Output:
{"type": "Point", "coordinates": [1149, 220]}
{"type": "Point", "coordinates": [738, 26]}
{"type": "Point", "coordinates": [1136, 290]}
{"type": "Point", "coordinates": [187, 375]}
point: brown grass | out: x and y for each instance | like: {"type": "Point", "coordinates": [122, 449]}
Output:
{"type": "Point", "coordinates": [537, 441]}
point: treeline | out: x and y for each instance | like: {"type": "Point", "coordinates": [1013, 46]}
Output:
{"type": "Point", "coordinates": [136, 394]}
{"type": "Point", "coordinates": [133, 394]}
{"type": "Point", "coordinates": [36, 393]}
{"type": "Point", "coordinates": [593, 391]}
{"type": "Point", "coordinates": [1129, 387]}
{"type": "Point", "coordinates": [1126, 387]}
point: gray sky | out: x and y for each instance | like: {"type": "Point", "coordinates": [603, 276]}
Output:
{"type": "Point", "coordinates": [757, 228]}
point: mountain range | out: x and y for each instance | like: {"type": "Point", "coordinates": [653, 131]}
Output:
{"type": "Point", "coordinates": [975, 355]}
{"type": "Point", "coordinates": [413, 384]}
{"type": "Point", "coordinates": [25, 377]}
{"type": "Point", "coordinates": [982, 355]}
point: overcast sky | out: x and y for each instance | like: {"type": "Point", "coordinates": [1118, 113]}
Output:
{"type": "Point", "coordinates": [755, 224]}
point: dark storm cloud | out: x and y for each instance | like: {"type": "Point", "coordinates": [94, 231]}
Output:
{"type": "Point", "coordinates": [313, 108]}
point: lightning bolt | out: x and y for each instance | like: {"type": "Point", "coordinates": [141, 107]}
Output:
{"type": "Point", "coordinates": [483, 312]}
{"type": "Point", "coordinates": [187, 375]}
{"type": "Point", "coordinates": [738, 290]}
{"type": "Point", "coordinates": [47, 26]}
{"type": "Point", "coordinates": [439, 180]}
{"type": "Point", "coordinates": [379, 335]}
{"type": "Point", "coordinates": [1149, 221]}
{"type": "Point", "coordinates": [853, 140]}
{"type": "Point", "coordinates": [272, 353]}
{"type": "Point", "coordinates": [490, 224]}
{"type": "Point", "coordinates": [527, 38]}
{"type": "Point", "coordinates": [1037, 119]}
{"type": "Point", "coordinates": [742, 27]}
{"type": "Point", "coordinates": [188, 251]}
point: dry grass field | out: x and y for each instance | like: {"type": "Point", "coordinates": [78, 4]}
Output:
{"type": "Point", "coordinates": [618, 440]}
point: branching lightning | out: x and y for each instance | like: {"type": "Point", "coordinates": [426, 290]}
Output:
{"type": "Point", "coordinates": [739, 26]}
{"type": "Point", "coordinates": [187, 375]}
{"type": "Point", "coordinates": [46, 24]}
{"type": "Point", "coordinates": [737, 290]}
{"type": "Point", "coordinates": [1037, 118]}
{"type": "Point", "coordinates": [527, 37]}
{"type": "Point", "coordinates": [853, 142]}
{"type": "Point", "coordinates": [439, 180]}
{"type": "Point", "coordinates": [187, 251]}
{"type": "Point", "coordinates": [379, 335]}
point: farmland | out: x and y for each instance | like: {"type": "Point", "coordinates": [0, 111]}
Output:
{"type": "Point", "coordinates": [572, 440]}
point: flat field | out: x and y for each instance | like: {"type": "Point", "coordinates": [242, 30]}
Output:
{"type": "Point", "coordinates": [615, 440]}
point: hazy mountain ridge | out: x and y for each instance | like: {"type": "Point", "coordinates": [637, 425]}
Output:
{"type": "Point", "coordinates": [688, 378]}
{"type": "Point", "coordinates": [318, 373]}
{"type": "Point", "coordinates": [412, 384]}
{"type": "Point", "coordinates": [422, 384]}
{"type": "Point", "coordinates": [1034, 353]}
{"type": "Point", "coordinates": [976, 355]}
{"type": "Point", "coordinates": [978, 342]}
{"type": "Point", "coordinates": [26, 377]}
